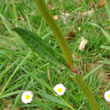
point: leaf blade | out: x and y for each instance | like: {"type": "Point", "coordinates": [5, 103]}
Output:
{"type": "Point", "coordinates": [39, 46]}
{"type": "Point", "coordinates": [53, 98]}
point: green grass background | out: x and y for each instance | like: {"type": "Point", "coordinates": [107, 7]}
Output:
{"type": "Point", "coordinates": [17, 62]}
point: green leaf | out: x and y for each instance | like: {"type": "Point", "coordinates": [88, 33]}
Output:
{"type": "Point", "coordinates": [53, 98]}
{"type": "Point", "coordinates": [39, 46]}
{"type": "Point", "coordinates": [11, 93]}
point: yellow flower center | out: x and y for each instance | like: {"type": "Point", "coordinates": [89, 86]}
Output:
{"type": "Point", "coordinates": [27, 97]}
{"type": "Point", "coordinates": [109, 96]}
{"type": "Point", "coordinates": [59, 89]}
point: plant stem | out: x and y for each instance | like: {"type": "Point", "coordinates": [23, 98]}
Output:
{"type": "Point", "coordinates": [56, 30]}
{"type": "Point", "coordinates": [86, 91]}
{"type": "Point", "coordinates": [41, 5]}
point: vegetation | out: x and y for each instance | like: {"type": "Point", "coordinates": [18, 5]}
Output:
{"type": "Point", "coordinates": [21, 69]}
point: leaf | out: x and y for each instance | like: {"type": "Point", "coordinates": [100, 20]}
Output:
{"type": "Point", "coordinates": [39, 46]}
{"type": "Point", "coordinates": [11, 94]}
{"type": "Point", "coordinates": [91, 3]}
{"type": "Point", "coordinates": [101, 3]}
{"type": "Point", "coordinates": [70, 35]}
{"type": "Point", "coordinates": [82, 44]}
{"type": "Point", "coordinates": [53, 98]}
{"type": "Point", "coordinates": [86, 13]}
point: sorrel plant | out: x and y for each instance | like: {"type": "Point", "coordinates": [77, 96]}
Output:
{"type": "Point", "coordinates": [45, 51]}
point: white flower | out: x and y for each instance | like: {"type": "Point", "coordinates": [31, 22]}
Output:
{"type": "Point", "coordinates": [27, 97]}
{"type": "Point", "coordinates": [59, 89]}
{"type": "Point", "coordinates": [107, 95]}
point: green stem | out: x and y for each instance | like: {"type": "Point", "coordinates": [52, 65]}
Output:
{"type": "Point", "coordinates": [41, 5]}
{"type": "Point", "coordinates": [86, 91]}
{"type": "Point", "coordinates": [56, 30]}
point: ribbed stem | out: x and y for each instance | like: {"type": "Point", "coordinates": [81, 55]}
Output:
{"type": "Point", "coordinates": [87, 92]}
{"type": "Point", "coordinates": [41, 5]}
{"type": "Point", "coordinates": [56, 30]}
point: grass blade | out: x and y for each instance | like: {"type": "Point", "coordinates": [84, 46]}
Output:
{"type": "Point", "coordinates": [53, 98]}
{"type": "Point", "coordinates": [16, 69]}
{"type": "Point", "coordinates": [105, 47]}
{"type": "Point", "coordinates": [104, 32]}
